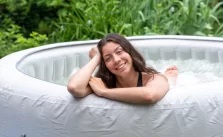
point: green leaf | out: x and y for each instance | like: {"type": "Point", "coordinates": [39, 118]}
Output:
{"type": "Point", "coordinates": [208, 26]}
{"type": "Point", "coordinates": [199, 33]}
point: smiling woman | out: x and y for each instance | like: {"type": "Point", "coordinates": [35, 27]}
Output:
{"type": "Point", "coordinates": [34, 103]}
{"type": "Point", "coordinates": [122, 72]}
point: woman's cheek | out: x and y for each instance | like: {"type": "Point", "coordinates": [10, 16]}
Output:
{"type": "Point", "coordinates": [109, 65]}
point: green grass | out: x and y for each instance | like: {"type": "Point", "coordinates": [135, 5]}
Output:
{"type": "Point", "coordinates": [93, 19]}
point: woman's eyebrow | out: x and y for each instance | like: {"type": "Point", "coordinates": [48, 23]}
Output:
{"type": "Point", "coordinates": [117, 48]}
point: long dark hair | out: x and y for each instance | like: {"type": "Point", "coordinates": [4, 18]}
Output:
{"type": "Point", "coordinates": [138, 61]}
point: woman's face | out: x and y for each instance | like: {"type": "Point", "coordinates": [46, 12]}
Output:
{"type": "Point", "coordinates": [116, 59]}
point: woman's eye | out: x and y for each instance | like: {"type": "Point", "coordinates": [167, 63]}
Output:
{"type": "Point", "coordinates": [107, 59]}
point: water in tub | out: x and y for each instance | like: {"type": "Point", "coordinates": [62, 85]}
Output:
{"type": "Point", "coordinates": [190, 71]}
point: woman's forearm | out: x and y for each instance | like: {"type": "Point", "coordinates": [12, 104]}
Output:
{"type": "Point", "coordinates": [79, 81]}
{"type": "Point", "coordinates": [130, 95]}
{"type": "Point", "coordinates": [133, 95]}
{"type": "Point", "coordinates": [152, 92]}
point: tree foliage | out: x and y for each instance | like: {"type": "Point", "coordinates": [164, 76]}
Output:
{"type": "Point", "coordinates": [29, 23]}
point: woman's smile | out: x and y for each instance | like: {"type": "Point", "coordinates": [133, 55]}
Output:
{"type": "Point", "coordinates": [120, 66]}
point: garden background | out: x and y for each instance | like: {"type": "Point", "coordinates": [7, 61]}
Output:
{"type": "Point", "coordinates": [30, 23]}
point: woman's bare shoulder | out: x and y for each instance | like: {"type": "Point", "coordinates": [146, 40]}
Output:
{"type": "Point", "coordinates": [149, 77]}
{"type": "Point", "coordinates": [146, 78]}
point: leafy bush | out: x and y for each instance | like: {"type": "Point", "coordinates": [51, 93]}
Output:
{"type": "Point", "coordinates": [71, 20]}
{"type": "Point", "coordinates": [12, 40]}
{"type": "Point", "coordinates": [27, 14]}
{"type": "Point", "coordinates": [93, 19]}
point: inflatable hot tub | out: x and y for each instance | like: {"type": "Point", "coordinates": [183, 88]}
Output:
{"type": "Point", "coordinates": [33, 104]}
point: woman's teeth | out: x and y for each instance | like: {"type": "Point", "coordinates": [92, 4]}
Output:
{"type": "Point", "coordinates": [121, 66]}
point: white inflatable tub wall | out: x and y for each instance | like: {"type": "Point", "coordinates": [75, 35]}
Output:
{"type": "Point", "coordinates": [32, 105]}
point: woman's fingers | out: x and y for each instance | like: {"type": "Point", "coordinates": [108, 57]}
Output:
{"type": "Point", "coordinates": [97, 85]}
{"type": "Point", "coordinates": [95, 80]}
{"type": "Point", "coordinates": [93, 52]}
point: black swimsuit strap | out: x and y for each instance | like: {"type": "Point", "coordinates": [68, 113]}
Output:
{"type": "Point", "coordinates": [139, 83]}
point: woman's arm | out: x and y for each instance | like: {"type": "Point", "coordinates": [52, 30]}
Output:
{"type": "Point", "coordinates": [152, 92]}
{"type": "Point", "coordinates": [78, 84]}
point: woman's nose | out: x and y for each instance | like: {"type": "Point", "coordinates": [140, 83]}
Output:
{"type": "Point", "coordinates": [116, 59]}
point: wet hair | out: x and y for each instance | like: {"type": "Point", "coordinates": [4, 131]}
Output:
{"type": "Point", "coordinates": [138, 61]}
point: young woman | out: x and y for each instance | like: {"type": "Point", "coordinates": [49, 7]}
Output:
{"type": "Point", "coordinates": [122, 74]}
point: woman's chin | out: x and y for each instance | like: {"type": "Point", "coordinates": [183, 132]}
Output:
{"type": "Point", "coordinates": [122, 73]}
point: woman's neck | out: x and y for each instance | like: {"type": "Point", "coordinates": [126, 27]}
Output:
{"type": "Point", "coordinates": [129, 80]}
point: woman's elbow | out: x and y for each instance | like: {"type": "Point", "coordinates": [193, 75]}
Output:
{"type": "Point", "coordinates": [156, 95]}
{"type": "Point", "coordinates": [74, 91]}
{"type": "Point", "coordinates": [150, 98]}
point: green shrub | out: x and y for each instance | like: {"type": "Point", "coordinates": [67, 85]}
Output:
{"type": "Point", "coordinates": [71, 20]}
{"type": "Point", "coordinates": [84, 19]}
{"type": "Point", "coordinates": [11, 40]}
{"type": "Point", "coordinates": [28, 14]}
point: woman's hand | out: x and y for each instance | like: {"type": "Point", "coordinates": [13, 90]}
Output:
{"type": "Point", "coordinates": [97, 85]}
{"type": "Point", "coordinates": [94, 52]}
